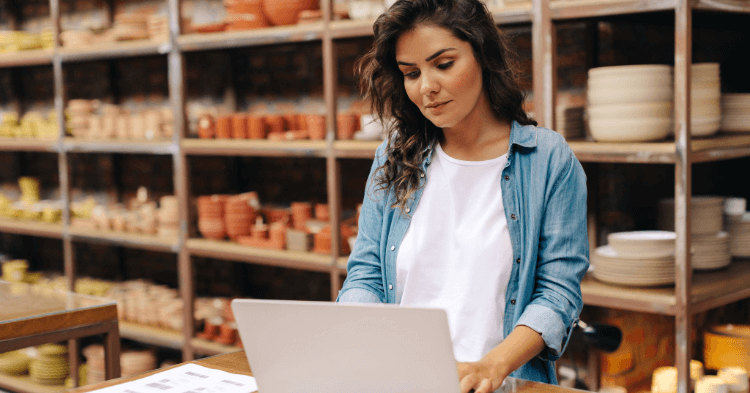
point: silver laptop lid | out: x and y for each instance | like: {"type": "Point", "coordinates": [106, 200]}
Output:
{"type": "Point", "coordinates": [310, 347]}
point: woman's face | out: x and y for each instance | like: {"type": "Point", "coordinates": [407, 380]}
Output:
{"type": "Point", "coordinates": [441, 75]}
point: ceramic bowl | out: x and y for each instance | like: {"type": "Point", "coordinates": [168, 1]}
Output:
{"type": "Point", "coordinates": [629, 130]}
{"type": "Point", "coordinates": [643, 244]}
{"type": "Point", "coordinates": [647, 80]}
{"type": "Point", "coordinates": [630, 111]}
{"type": "Point", "coordinates": [640, 69]}
{"type": "Point", "coordinates": [628, 95]}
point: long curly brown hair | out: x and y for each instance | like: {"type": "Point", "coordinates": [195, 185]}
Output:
{"type": "Point", "coordinates": [409, 132]}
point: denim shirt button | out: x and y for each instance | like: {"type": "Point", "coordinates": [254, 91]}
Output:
{"type": "Point", "coordinates": [421, 175]}
{"type": "Point", "coordinates": [518, 260]}
{"type": "Point", "coordinates": [507, 177]}
{"type": "Point", "coordinates": [393, 248]}
{"type": "Point", "coordinates": [513, 216]}
{"type": "Point", "coordinates": [390, 287]}
{"type": "Point", "coordinates": [408, 210]}
{"type": "Point", "coordinates": [513, 301]}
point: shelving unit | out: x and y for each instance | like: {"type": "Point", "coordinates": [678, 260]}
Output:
{"type": "Point", "coordinates": [24, 384]}
{"type": "Point", "coordinates": [692, 293]}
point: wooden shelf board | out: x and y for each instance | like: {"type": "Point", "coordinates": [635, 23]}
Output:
{"type": "Point", "coordinates": [31, 228]}
{"type": "Point", "coordinates": [151, 335]}
{"type": "Point", "coordinates": [709, 290]}
{"type": "Point", "coordinates": [205, 347]}
{"type": "Point", "coordinates": [26, 58]}
{"type": "Point", "coordinates": [576, 9]}
{"type": "Point", "coordinates": [24, 384]}
{"type": "Point", "coordinates": [254, 147]}
{"type": "Point", "coordinates": [27, 144]}
{"type": "Point", "coordinates": [512, 14]}
{"type": "Point", "coordinates": [75, 145]}
{"type": "Point", "coordinates": [257, 37]}
{"type": "Point", "coordinates": [355, 149]}
{"type": "Point", "coordinates": [114, 50]}
{"type": "Point", "coordinates": [741, 6]}
{"type": "Point", "coordinates": [132, 240]}
{"type": "Point", "coordinates": [718, 147]}
{"type": "Point", "coordinates": [239, 253]}
{"type": "Point", "coordinates": [347, 28]}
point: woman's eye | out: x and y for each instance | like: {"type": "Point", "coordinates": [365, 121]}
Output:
{"type": "Point", "coordinates": [412, 75]}
{"type": "Point", "coordinates": [445, 65]}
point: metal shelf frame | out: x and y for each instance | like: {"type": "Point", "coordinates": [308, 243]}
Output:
{"type": "Point", "coordinates": [681, 302]}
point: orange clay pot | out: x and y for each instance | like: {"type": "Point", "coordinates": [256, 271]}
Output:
{"type": "Point", "coordinates": [316, 125]}
{"type": "Point", "coordinates": [286, 12]}
{"type": "Point", "coordinates": [345, 126]}
{"type": "Point", "coordinates": [239, 126]}
{"type": "Point", "coordinates": [256, 127]}
{"type": "Point", "coordinates": [224, 127]}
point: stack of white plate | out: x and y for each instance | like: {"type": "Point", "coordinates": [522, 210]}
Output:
{"type": "Point", "coordinates": [735, 109]}
{"type": "Point", "coordinates": [630, 103]}
{"type": "Point", "coordinates": [569, 121]}
{"type": "Point", "coordinates": [707, 215]}
{"type": "Point", "coordinates": [642, 258]}
{"type": "Point", "coordinates": [711, 251]}
{"type": "Point", "coordinates": [705, 109]}
{"type": "Point", "coordinates": [739, 235]}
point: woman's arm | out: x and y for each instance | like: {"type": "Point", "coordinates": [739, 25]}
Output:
{"type": "Point", "coordinates": [486, 375]}
{"type": "Point", "coordinates": [364, 280]}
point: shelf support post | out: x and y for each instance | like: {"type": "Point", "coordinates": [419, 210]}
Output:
{"type": "Point", "coordinates": [330, 71]}
{"type": "Point", "coordinates": [177, 88]}
{"type": "Point", "coordinates": [544, 53]}
{"type": "Point", "coordinates": [683, 191]}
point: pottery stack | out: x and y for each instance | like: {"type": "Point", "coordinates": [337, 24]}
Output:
{"type": "Point", "coordinates": [705, 108]}
{"type": "Point", "coordinates": [158, 27]}
{"type": "Point", "coordinates": [630, 103]}
{"type": "Point", "coordinates": [711, 245]}
{"type": "Point", "coordinates": [641, 258]}
{"type": "Point", "coordinates": [50, 365]}
{"type": "Point", "coordinates": [132, 362]}
{"type": "Point", "coordinates": [130, 27]}
{"type": "Point", "coordinates": [245, 14]}
{"type": "Point", "coordinates": [287, 127]}
{"type": "Point", "coordinates": [735, 110]}
{"type": "Point", "coordinates": [78, 115]}
{"type": "Point", "coordinates": [287, 12]}
{"type": "Point", "coordinates": [169, 217]}
{"type": "Point", "coordinates": [737, 224]}
{"type": "Point", "coordinates": [239, 213]}
{"type": "Point", "coordinates": [211, 216]}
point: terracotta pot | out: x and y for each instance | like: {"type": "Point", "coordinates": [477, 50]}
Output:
{"type": "Point", "coordinates": [245, 22]}
{"type": "Point", "coordinates": [321, 212]}
{"type": "Point", "coordinates": [256, 127]}
{"type": "Point", "coordinates": [316, 125]}
{"type": "Point", "coordinates": [345, 127]}
{"type": "Point", "coordinates": [239, 126]}
{"type": "Point", "coordinates": [290, 119]}
{"type": "Point", "coordinates": [302, 122]}
{"type": "Point", "coordinates": [224, 127]}
{"type": "Point", "coordinates": [206, 127]}
{"type": "Point", "coordinates": [286, 12]}
{"type": "Point", "coordinates": [275, 124]}
{"type": "Point", "coordinates": [301, 212]}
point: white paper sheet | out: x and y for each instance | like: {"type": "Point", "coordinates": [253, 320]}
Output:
{"type": "Point", "coordinates": [188, 378]}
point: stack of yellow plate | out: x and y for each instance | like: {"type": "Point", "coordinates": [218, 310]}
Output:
{"type": "Point", "coordinates": [614, 268]}
{"type": "Point", "coordinates": [50, 366]}
{"type": "Point", "coordinates": [15, 271]}
{"type": "Point", "coordinates": [29, 190]}
{"type": "Point", "coordinates": [14, 363]}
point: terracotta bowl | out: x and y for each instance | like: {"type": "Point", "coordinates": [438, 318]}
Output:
{"type": "Point", "coordinates": [316, 125]}
{"type": "Point", "coordinates": [286, 12]}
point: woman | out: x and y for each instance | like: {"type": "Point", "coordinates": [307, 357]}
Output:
{"type": "Point", "coordinates": [469, 206]}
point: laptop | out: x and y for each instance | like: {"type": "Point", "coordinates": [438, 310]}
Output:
{"type": "Point", "coordinates": [311, 347]}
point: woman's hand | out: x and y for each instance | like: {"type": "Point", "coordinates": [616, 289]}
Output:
{"type": "Point", "coordinates": [480, 376]}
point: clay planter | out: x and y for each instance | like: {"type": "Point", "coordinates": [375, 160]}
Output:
{"type": "Point", "coordinates": [212, 229]}
{"type": "Point", "coordinates": [275, 124]}
{"type": "Point", "coordinates": [301, 212]}
{"type": "Point", "coordinates": [302, 122]}
{"type": "Point", "coordinates": [316, 125]}
{"type": "Point", "coordinates": [345, 127]}
{"type": "Point", "coordinates": [290, 119]}
{"type": "Point", "coordinates": [237, 22]}
{"type": "Point", "coordinates": [227, 333]}
{"type": "Point", "coordinates": [224, 127]}
{"type": "Point", "coordinates": [210, 331]}
{"type": "Point", "coordinates": [322, 212]}
{"type": "Point", "coordinates": [239, 126]}
{"type": "Point", "coordinates": [322, 240]}
{"type": "Point", "coordinates": [286, 12]}
{"type": "Point", "coordinates": [256, 127]}
{"type": "Point", "coordinates": [206, 127]}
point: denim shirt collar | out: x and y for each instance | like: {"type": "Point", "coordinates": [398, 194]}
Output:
{"type": "Point", "coordinates": [519, 135]}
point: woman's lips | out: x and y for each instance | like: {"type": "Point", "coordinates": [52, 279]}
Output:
{"type": "Point", "coordinates": [438, 107]}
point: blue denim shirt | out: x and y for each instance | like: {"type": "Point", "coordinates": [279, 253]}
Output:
{"type": "Point", "coordinates": [544, 194]}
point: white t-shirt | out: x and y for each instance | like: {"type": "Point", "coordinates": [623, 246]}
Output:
{"type": "Point", "coordinates": [456, 254]}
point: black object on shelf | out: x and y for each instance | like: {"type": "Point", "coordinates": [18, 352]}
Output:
{"type": "Point", "coordinates": [603, 337]}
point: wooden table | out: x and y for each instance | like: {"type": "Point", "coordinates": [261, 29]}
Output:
{"type": "Point", "coordinates": [236, 362]}
{"type": "Point", "coordinates": [32, 316]}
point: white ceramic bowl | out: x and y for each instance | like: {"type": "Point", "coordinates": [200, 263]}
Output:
{"type": "Point", "coordinates": [629, 130]}
{"type": "Point", "coordinates": [637, 110]}
{"type": "Point", "coordinates": [704, 126]}
{"type": "Point", "coordinates": [643, 244]}
{"type": "Point", "coordinates": [628, 95]}
{"type": "Point", "coordinates": [640, 69]}
{"type": "Point", "coordinates": [630, 81]}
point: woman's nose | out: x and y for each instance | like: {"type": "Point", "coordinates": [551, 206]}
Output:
{"type": "Point", "coordinates": [429, 85]}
